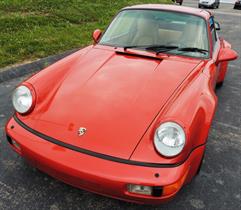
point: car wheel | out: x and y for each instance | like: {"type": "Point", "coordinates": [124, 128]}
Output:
{"type": "Point", "coordinates": [199, 6]}
{"type": "Point", "coordinates": [200, 165]}
{"type": "Point", "coordinates": [219, 85]}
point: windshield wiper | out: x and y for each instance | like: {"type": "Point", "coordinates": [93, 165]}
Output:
{"type": "Point", "coordinates": [135, 46]}
{"type": "Point", "coordinates": [193, 49]}
{"type": "Point", "coordinates": [165, 48]}
{"type": "Point", "coordinates": [161, 48]}
{"type": "Point", "coordinates": [156, 48]}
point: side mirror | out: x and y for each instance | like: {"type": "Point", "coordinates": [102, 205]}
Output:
{"type": "Point", "coordinates": [217, 26]}
{"type": "Point", "coordinates": [96, 35]}
{"type": "Point", "coordinates": [226, 54]}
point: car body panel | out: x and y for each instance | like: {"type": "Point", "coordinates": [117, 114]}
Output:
{"type": "Point", "coordinates": [173, 8]}
{"type": "Point", "coordinates": [125, 105]}
{"type": "Point", "coordinates": [94, 174]}
{"type": "Point", "coordinates": [209, 3]}
{"type": "Point", "coordinates": [196, 119]}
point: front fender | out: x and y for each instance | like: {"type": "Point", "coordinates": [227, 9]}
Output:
{"type": "Point", "coordinates": [45, 83]}
{"type": "Point", "coordinates": [193, 108]}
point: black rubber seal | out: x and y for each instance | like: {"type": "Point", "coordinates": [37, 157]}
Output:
{"type": "Point", "coordinates": [96, 154]}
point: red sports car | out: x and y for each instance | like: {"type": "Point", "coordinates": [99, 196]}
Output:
{"type": "Point", "coordinates": [127, 117]}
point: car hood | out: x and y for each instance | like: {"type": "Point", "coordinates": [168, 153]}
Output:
{"type": "Point", "coordinates": [114, 96]}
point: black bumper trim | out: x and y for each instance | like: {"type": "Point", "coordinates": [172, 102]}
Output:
{"type": "Point", "coordinates": [96, 154]}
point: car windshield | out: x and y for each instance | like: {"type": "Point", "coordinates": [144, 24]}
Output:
{"type": "Point", "coordinates": [172, 32]}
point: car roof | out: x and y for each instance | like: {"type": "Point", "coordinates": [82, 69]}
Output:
{"type": "Point", "coordinates": [174, 8]}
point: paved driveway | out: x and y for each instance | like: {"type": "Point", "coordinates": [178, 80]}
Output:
{"type": "Point", "coordinates": [217, 187]}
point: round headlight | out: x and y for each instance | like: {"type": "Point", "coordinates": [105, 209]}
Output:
{"type": "Point", "coordinates": [169, 139]}
{"type": "Point", "coordinates": [22, 99]}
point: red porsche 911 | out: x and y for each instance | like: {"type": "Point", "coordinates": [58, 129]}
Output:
{"type": "Point", "coordinates": [127, 117]}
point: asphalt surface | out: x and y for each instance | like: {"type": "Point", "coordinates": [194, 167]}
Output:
{"type": "Point", "coordinates": [217, 187]}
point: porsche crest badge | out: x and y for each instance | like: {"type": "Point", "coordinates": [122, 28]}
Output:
{"type": "Point", "coordinates": [82, 131]}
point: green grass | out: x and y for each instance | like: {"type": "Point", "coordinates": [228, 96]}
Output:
{"type": "Point", "coordinates": [31, 29]}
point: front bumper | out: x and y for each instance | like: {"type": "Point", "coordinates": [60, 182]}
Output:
{"type": "Point", "coordinates": [208, 5]}
{"type": "Point", "coordinates": [98, 175]}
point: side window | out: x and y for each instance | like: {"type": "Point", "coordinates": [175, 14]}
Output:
{"type": "Point", "coordinates": [213, 31]}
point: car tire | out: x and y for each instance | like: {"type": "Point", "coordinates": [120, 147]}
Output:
{"type": "Point", "coordinates": [199, 6]}
{"type": "Point", "coordinates": [219, 85]}
{"type": "Point", "coordinates": [200, 165]}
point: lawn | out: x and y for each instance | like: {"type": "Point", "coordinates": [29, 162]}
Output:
{"type": "Point", "coordinates": [31, 29]}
